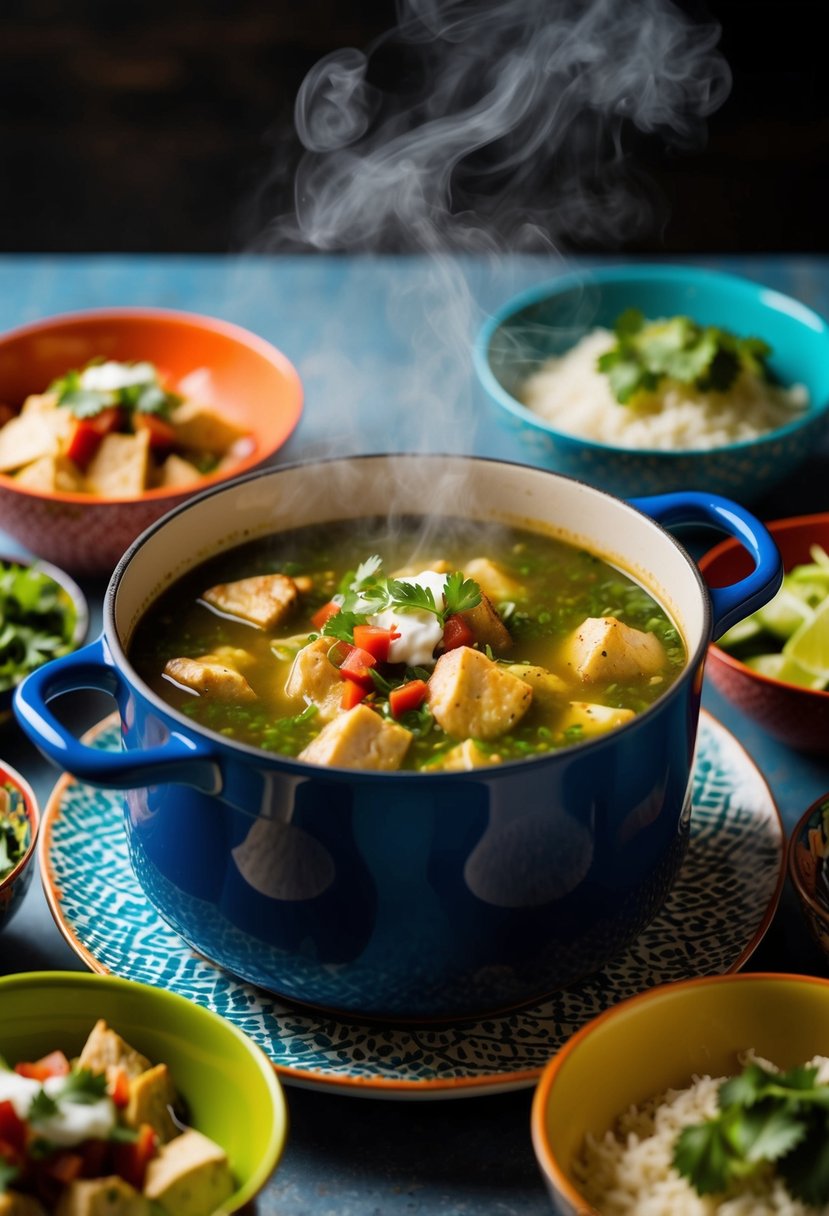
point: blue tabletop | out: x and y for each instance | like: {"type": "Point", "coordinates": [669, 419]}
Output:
{"type": "Point", "coordinates": [382, 346]}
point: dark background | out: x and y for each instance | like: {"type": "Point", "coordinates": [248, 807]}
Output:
{"type": "Point", "coordinates": [151, 125]}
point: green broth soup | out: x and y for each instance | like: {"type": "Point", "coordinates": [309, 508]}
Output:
{"type": "Point", "coordinates": [426, 645]}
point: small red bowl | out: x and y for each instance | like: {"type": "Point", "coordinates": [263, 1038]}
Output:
{"type": "Point", "coordinates": [239, 373]}
{"type": "Point", "coordinates": [798, 717]}
{"type": "Point", "coordinates": [808, 864]}
{"type": "Point", "coordinates": [14, 884]}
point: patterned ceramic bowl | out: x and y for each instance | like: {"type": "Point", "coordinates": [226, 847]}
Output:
{"type": "Point", "coordinates": [797, 716]}
{"type": "Point", "coordinates": [19, 823]}
{"type": "Point", "coordinates": [551, 318]}
{"type": "Point", "coordinates": [809, 868]}
{"type": "Point", "coordinates": [658, 1041]}
{"type": "Point", "coordinates": [229, 1086]}
{"type": "Point", "coordinates": [239, 373]}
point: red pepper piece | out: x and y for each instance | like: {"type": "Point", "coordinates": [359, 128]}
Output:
{"type": "Point", "coordinates": [357, 666]}
{"type": "Point", "coordinates": [405, 697]}
{"type": "Point", "coordinates": [12, 1128]}
{"type": "Point", "coordinates": [87, 433]}
{"type": "Point", "coordinates": [162, 434]}
{"type": "Point", "coordinates": [352, 694]}
{"type": "Point", "coordinates": [324, 614]}
{"type": "Point", "coordinates": [375, 640]}
{"type": "Point", "coordinates": [55, 1064]}
{"type": "Point", "coordinates": [456, 632]}
{"type": "Point", "coordinates": [131, 1159]}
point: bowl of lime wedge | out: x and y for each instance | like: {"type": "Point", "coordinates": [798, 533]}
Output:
{"type": "Point", "coordinates": [774, 665]}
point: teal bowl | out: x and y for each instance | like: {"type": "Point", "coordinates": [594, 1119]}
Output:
{"type": "Point", "coordinates": [549, 319]}
{"type": "Point", "coordinates": [229, 1086]}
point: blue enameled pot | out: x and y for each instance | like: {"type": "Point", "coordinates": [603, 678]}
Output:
{"type": "Point", "coordinates": [405, 895]}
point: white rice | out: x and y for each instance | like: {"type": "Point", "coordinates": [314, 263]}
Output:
{"type": "Point", "coordinates": [628, 1171]}
{"type": "Point", "coordinates": [574, 396]}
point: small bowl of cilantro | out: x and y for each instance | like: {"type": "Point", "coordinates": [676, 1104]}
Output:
{"type": "Point", "coordinates": [774, 665]}
{"type": "Point", "coordinates": [43, 615]}
{"type": "Point", "coordinates": [643, 379]}
{"type": "Point", "coordinates": [711, 1094]}
{"type": "Point", "coordinates": [19, 822]}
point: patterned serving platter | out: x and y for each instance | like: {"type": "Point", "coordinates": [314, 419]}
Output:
{"type": "Point", "coordinates": [715, 917]}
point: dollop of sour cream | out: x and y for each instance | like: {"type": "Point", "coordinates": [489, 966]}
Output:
{"type": "Point", "coordinates": [109, 376]}
{"type": "Point", "coordinates": [420, 632]}
{"type": "Point", "coordinates": [72, 1123]}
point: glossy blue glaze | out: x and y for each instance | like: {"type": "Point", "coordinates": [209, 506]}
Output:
{"type": "Point", "coordinates": [400, 894]}
{"type": "Point", "coordinates": [549, 318]}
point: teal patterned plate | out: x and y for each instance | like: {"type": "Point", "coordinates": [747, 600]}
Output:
{"type": "Point", "coordinates": [714, 919]}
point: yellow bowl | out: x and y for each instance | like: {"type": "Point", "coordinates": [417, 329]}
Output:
{"type": "Point", "coordinates": [659, 1040]}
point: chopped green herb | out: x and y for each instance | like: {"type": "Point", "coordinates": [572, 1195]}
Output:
{"type": "Point", "coordinates": [37, 621]}
{"type": "Point", "coordinates": [8, 1174]}
{"type": "Point", "coordinates": [764, 1118]}
{"type": "Point", "coordinates": [83, 1087]}
{"type": "Point", "coordinates": [144, 394]}
{"type": "Point", "coordinates": [364, 594]}
{"type": "Point", "coordinates": [677, 348]}
{"type": "Point", "coordinates": [43, 1106]}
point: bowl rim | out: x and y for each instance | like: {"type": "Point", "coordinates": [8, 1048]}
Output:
{"type": "Point", "coordinates": [269, 1160]}
{"type": "Point", "coordinates": [13, 777]}
{"type": "Point", "coordinates": [668, 272]}
{"type": "Point", "coordinates": [819, 910]}
{"type": "Point", "coordinates": [787, 523]}
{"type": "Point", "coordinates": [195, 320]}
{"type": "Point", "coordinates": [545, 1156]}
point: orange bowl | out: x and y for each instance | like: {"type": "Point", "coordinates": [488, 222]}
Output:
{"type": "Point", "coordinates": [226, 366]}
{"type": "Point", "coordinates": [797, 716]}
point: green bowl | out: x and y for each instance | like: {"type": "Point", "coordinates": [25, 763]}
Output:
{"type": "Point", "coordinates": [229, 1085]}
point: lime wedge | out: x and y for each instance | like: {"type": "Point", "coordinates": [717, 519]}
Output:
{"type": "Point", "coordinates": [809, 645]}
{"type": "Point", "coordinates": [784, 614]}
{"type": "Point", "coordinates": [781, 667]}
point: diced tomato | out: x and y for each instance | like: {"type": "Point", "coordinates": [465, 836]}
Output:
{"type": "Point", "coordinates": [357, 666]}
{"type": "Point", "coordinates": [55, 1064]}
{"type": "Point", "coordinates": [63, 1166]}
{"type": "Point", "coordinates": [410, 695]}
{"type": "Point", "coordinates": [118, 1086]}
{"type": "Point", "coordinates": [375, 640]}
{"type": "Point", "coordinates": [456, 632]}
{"type": "Point", "coordinates": [87, 433]}
{"type": "Point", "coordinates": [324, 613]}
{"type": "Point", "coordinates": [131, 1159]}
{"type": "Point", "coordinates": [12, 1127]}
{"type": "Point", "coordinates": [162, 434]}
{"type": "Point", "coordinates": [353, 694]}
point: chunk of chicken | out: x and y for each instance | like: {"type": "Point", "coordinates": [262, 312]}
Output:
{"type": "Point", "coordinates": [104, 1048]}
{"type": "Point", "coordinates": [604, 648]}
{"type": "Point", "coordinates": [204, 429]}
{"type": "Point", "coordinates": [492, 580]}
{"type": "Point", "coordinates": [487, 626]}
{"type": "Point", "coordinates": [470, 695]}
{"type": "Point", "coordinates": [27, 437]}
{"type": "Point", "coordinates": [315, 679]}
{"type": "Point", "coordinates": [549, 690]}
{"type": "Point", "coordinates": [120, 466]}
{"type": "Point", "coordinates": [151, 1094]}
{"type": "Point", "coordinates": [265, 600]}
{"type": "Point", "coordinates": [464, 757]}
{"type": "Point", "coordinates": [210, 675]}
{"type": "Point", "coordinates": [359, 738]}
{"type": "Point", "coordinates": [108, 1196]}
{"type": "Point", "coordinates": [190, 1176]}
{"type": "Point", "coordinates": [591, 719]}
{"type": "Point", "coordinates": [175, 471]}
{"type": "Point", "coordinates": [52, 473]}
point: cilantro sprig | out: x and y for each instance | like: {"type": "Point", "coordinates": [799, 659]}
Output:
{"type": "Point", "coordinates": [146, 396]}
{"type": "Point", "coordinates": [677, 348]}
{"type": "Point", "coordinates": [37, 620]}
{"type": "Point", "coordinates": [365, 593]}
{"type": "Point", "coordinates": [764, 1118]}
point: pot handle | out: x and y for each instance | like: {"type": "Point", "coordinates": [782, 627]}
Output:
{"type": "Point", "coordinates": [740, 599]}
{"type": "Point", "coordinates": [178, 759]}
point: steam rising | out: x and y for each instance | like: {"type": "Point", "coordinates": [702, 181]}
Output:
{"type": "Point", "coordinates": [499, 124]}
